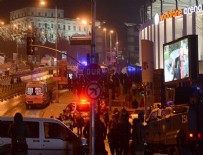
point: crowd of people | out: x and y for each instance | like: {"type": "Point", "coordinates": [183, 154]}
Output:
{"type": "Point", "coordinates": [120, 132]}
{"type": "Point", "coordinates": [117, 130]}
{"type": "Point", "coordinates": [120, 84]}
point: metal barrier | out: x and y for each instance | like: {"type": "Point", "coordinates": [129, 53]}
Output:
{"type": "Point", "coordinates": [9, 91]}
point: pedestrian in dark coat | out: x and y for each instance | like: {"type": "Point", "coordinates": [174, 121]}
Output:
{"type": "Point", "coordinates": [79, 123]}
{"type": "Point", "coordinates": [100, 134]}
{"type": "Point", "coordinates": [18, 133]}
{"type": "Point", "coordinates": [113, 136]}
{"type": "Point", "coordinates": [138, 137]}
{"type": "Point", "coordinates": [125, 134]}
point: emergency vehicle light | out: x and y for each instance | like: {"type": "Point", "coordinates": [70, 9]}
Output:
{"type": "Point", "coordinates": [199, 136]}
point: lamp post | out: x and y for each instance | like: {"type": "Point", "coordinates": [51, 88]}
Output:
{"type": "Point", "coordinates": [16, 36]}
{"type": "Point", "coordinates": [116, 45]}
{"type": "Point", "coordinates": [105, 45]}
{"type": "Point", "coordinates": [56, 53]}
{"type": "Point", "coordinates": [43, 3]}
{"type": "Point", "coordinates": [110, 34]}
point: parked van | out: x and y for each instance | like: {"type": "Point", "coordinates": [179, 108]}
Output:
{"type": "Point", "coordinates": [46, 136]}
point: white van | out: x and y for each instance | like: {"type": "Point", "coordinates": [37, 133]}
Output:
{"type": "Point", "coordinates": [46, 136]}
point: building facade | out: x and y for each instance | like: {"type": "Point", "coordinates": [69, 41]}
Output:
{"type": "Point", "coordinates": [49, 26]}
{"type": "Point", "coordinates": [170, 26]}
{"type": "Point", "coordinates": [165, 28]}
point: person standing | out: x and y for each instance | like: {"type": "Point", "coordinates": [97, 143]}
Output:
{"type": "Point", "coordinates": [106, 118]}
{"type": "Point", "coordinates": [113, 136]}
{"type": "Point", "coordinates": [79, 123]}
{"type": "Point", "coordinates": [138, 137]}
{"type": "Point", "coordinates": [100, 134]}
{"type": "Point", "coordinates": [18, 133]}
{"type": "Point", "coordinates": [125, 134]}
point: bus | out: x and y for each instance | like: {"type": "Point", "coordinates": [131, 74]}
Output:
{"type": "Point", "coordinates": [37, 95]}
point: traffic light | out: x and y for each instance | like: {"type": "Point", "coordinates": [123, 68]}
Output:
{"type": "Point", "coordinates": [30, 47]}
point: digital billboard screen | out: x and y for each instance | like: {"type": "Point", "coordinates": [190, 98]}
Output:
{"type": "Point", "coordinates": [180, 59]}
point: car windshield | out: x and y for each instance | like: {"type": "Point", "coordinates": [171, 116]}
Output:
{"type": "Point", "coordinates": [34, 91]}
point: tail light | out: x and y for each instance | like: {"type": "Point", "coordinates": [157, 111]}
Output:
{"type": "Point", "coordinates": [194, 136]}
{"type": "Point", "coordinates": [199, 136]}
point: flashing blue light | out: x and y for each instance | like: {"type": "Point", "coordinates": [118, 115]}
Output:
{"type": "Point", "coordinates": [84, 63]}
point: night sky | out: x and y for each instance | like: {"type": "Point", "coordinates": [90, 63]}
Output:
{"type": "Point", "coordinates": [116, 11]}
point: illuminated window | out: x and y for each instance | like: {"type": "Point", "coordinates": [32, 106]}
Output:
{"type": "Point", "coordinates": [38, 91]}
{"type": "Point", "coordinates": [30, 91]}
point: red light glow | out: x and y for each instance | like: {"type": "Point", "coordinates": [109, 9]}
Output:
{"type": "Point", "coordinates": [199, 136]}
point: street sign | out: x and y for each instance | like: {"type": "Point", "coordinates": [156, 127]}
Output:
{"type": "Point", "coordinates": [92, 72]}
{"type": "Point", "coordinates": [93, 90]}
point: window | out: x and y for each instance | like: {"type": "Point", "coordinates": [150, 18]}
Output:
{"type": "Point", "coordinates": [34, 91]}
{"type": "Point", "coordinates": [57, 131]}
{"type": "Point", "coordinates": [74, 27]}
{"type": "Point", "coordinates": [32, 129]}
{"type": "Point", "coordinates": [45, 14]}
{"type": "Point", "coordinates": [30, 91]}
{"type": "Point", "coordinates": [4, 127]}
{"type": "Point", "coordinates": [69, 27]}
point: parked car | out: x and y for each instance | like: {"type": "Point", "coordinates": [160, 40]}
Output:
{"type": "Point", "coordinates": [46, 136]}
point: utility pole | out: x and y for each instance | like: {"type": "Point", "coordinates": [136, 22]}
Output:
{"type": "Point", "coordinates": [56, 54]}
{"type": "Point", "coordinates": [92, 61]}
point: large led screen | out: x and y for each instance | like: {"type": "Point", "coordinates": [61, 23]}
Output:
{"type": "Point", "coordinates": [179, 56]}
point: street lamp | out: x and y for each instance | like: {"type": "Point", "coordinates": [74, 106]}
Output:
{"type": "Point", "coordinates": [16, 38]}
{"type": "Point", "coordinates": [2, 23]}
{"type": "Point", "coordinates": [85, 23]}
